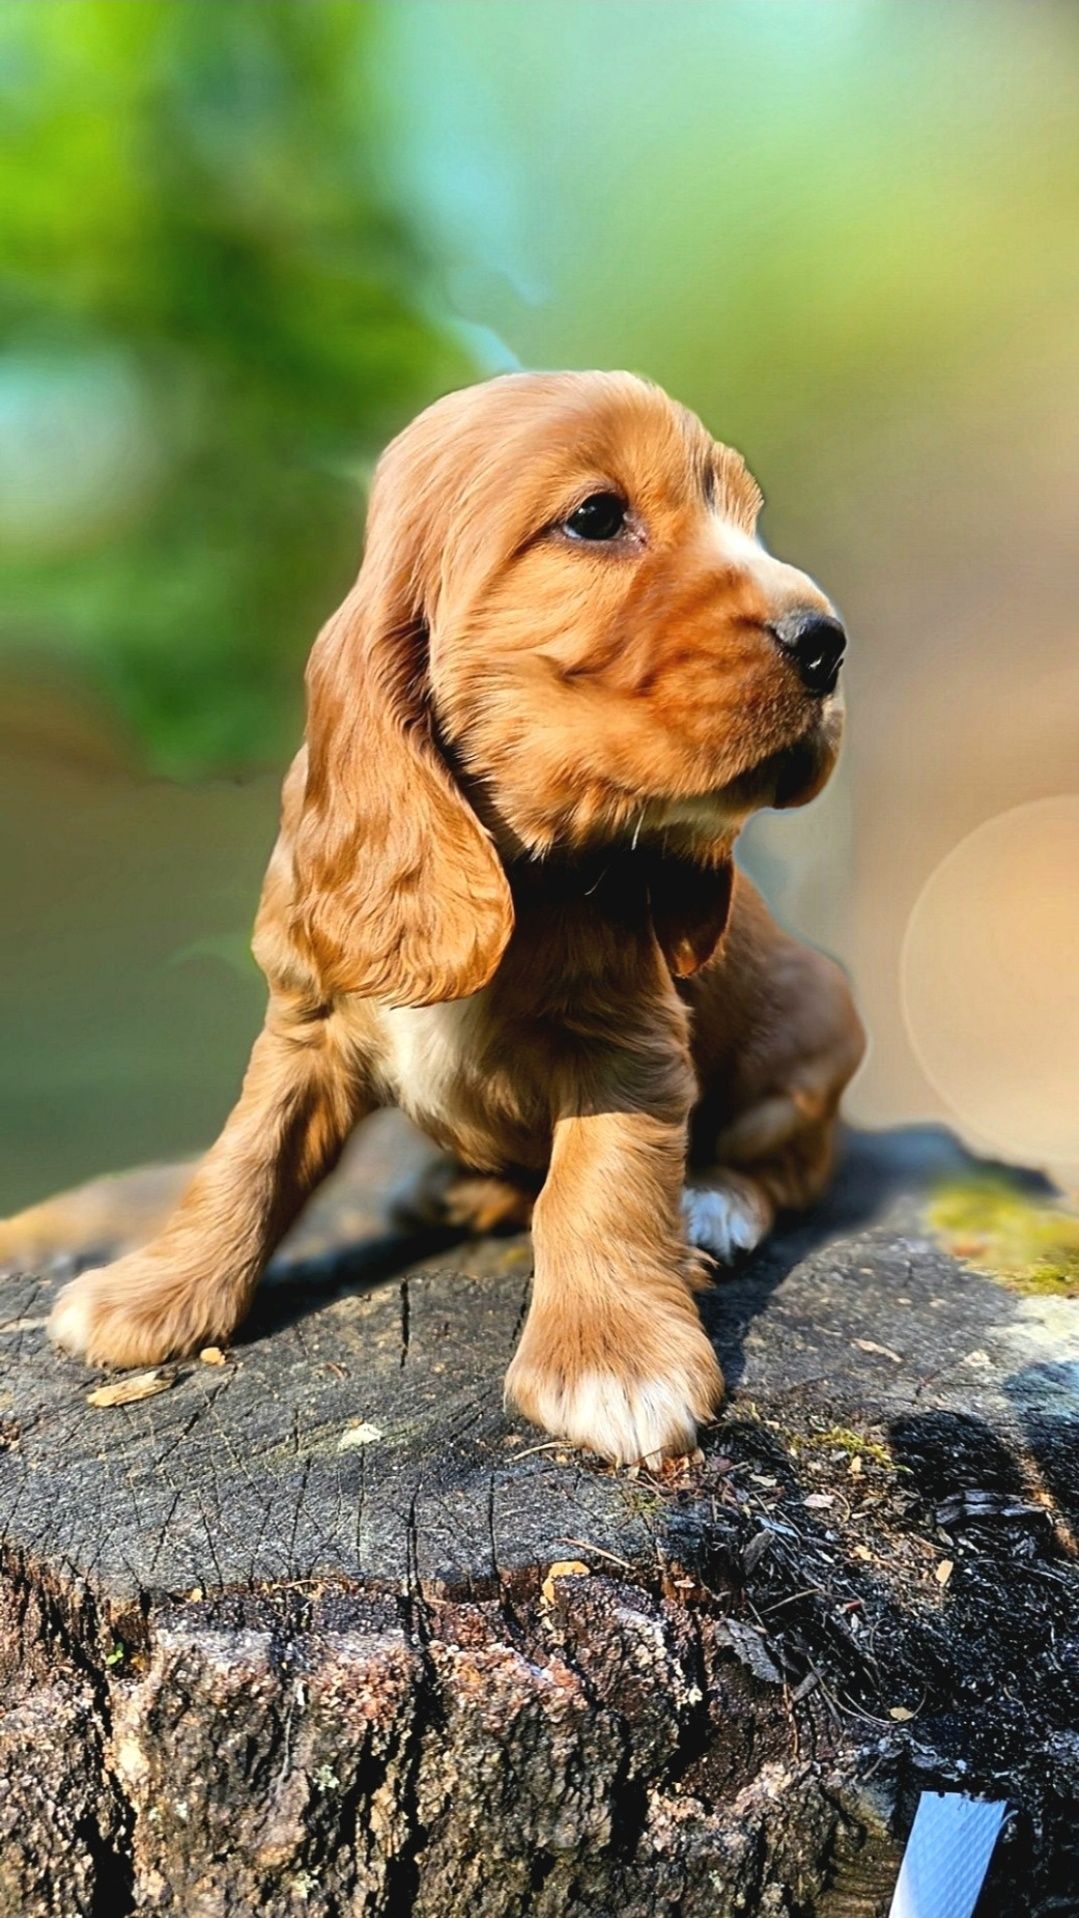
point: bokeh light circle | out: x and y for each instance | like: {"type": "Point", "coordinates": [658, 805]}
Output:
{"type": "Point", "coordinates": [990, 983]}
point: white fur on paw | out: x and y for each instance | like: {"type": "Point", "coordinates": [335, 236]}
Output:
{"type": "Point", "coordinates": [725, 1220]}
{"type": "Point", "coordinates": [626, 1421]}
{"type": "Point", "coordinates": [69, 1321]}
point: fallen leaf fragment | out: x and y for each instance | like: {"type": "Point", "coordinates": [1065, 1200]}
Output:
{"type": "Point", "coordinates": [855, 1467]}
{"type": "Point", "coordinates": [900, 1713]}
{"type": "Point", "coordinates": [885, 1351]}
{"type": "Point", "coordinates": [212, 1355]}
{"type": "Point", "coordinates": [818, 1501]}
{"type": "Point", "coordinates": [362, 1434]}
{"type": "Point", "coordinates": [128, 1390]}
{"type": "Point", "coordinates": [975, 1507]}
{"type": "Point", "coordinates": [944, 1571]}
{"type": "Point", "coordinates": [759, 1544]}
{"type": "Point", "coordinates": [808, 1684]}
{"type": "Point", "coordinates": [863, 1552]}
{"type": "Point", "coordinates": [562, 1568]}
{"type": "Point", "coordinates": [749, 1648]}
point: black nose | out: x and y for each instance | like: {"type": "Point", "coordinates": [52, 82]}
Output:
{"type": "Point", "coordinates": [816, 644]}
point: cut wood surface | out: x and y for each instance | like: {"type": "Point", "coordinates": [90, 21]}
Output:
{"type": "Point", "coordinates": [312, 1625]}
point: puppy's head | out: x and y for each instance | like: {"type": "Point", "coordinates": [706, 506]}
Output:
{"type": "Point", "coordinates": [565, 627]}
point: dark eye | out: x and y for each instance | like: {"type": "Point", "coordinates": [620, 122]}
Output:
{"type": "Point", "coordinates": [600, 516]}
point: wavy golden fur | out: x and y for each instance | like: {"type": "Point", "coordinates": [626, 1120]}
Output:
{"type": "Point", "coordinates": [503, 899]}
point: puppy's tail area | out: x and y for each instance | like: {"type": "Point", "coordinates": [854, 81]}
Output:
{"type": "Point", "coordinates": [107, 1216]}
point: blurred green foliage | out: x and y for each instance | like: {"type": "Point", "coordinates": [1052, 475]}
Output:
{"type": "Point", "coordinates": [210, 320]}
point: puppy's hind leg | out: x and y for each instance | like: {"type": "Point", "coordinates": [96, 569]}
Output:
{"type": "Point", "coordinates": [775, 1151]}
{"type": "Point", "coordinates": [445, 1195]}
{"type": "Point", "coordinates": [726, 1213]}
{"type": "Point", "coordinates": [775, 1157]}
{"type": "Point", "coordinates": [109, 1214]}
{"type": "Point", "coordinates": [304, 1089]}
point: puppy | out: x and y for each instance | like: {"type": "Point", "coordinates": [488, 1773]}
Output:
{"type": "Point", "coordinates": [503, 899]}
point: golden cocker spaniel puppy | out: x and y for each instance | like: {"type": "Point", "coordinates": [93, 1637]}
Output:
{"type": "Point", "coordinates": [503, 899]}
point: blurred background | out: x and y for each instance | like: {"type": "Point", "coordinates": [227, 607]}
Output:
{"type": "Point", "coordinates": [240, 246]}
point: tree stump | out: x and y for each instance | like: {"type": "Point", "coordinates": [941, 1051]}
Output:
{"type": "Point", "coordinates": [320, 1629]}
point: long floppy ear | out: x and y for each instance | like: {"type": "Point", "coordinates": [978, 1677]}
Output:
{"type": "Point", "coordinates": [690, 906]}
{"type": "Point", "coordinates": [399, 893]}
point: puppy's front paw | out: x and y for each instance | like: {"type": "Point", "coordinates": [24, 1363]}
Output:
{"type": "Point", "coordinates": [137, 1313]}
{"type": "Point", "coordinates": [609, 1401]}
{"type": "Point", "coordinates": [728, 1218]}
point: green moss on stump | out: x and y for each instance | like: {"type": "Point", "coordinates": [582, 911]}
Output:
{"type": "Point", "coordinates": [992, 1224]}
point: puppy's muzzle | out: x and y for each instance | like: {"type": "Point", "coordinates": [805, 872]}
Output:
{"type": "Point", "coordinates": [814, 643]}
